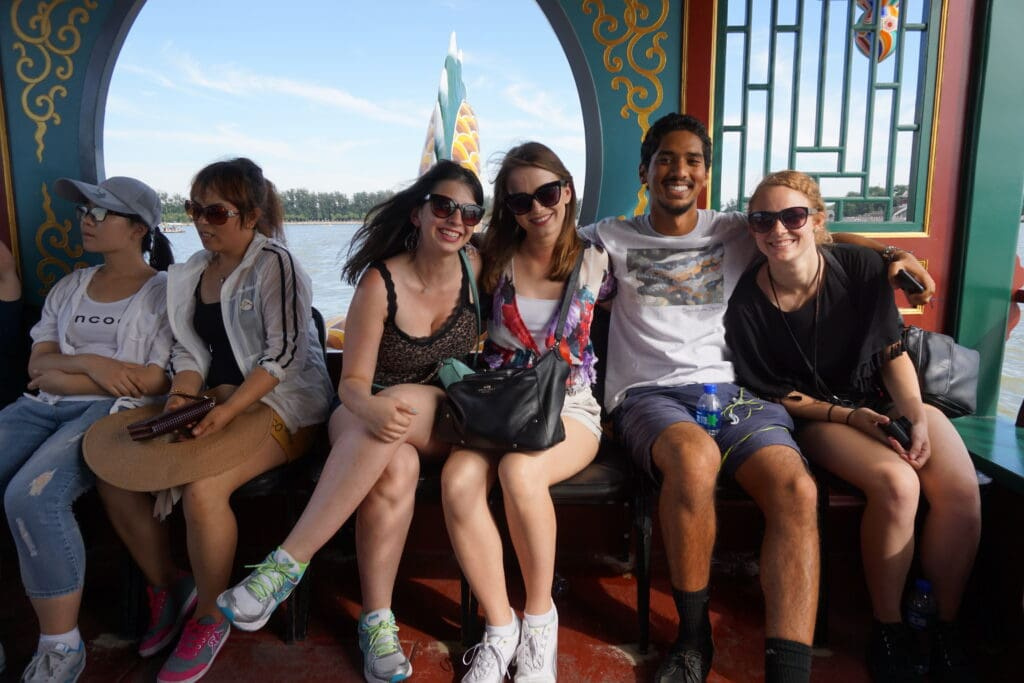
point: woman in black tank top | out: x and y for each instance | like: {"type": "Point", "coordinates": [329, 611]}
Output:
{"type": "Point", "coordinates": [819, 332]}
{"type": "Point", "coordinates": [411, 310]}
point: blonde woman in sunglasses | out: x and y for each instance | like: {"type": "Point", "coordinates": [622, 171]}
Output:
{"type": "Point", "coordinates": [411, 310]}
{"type": "Point", "coordinates": [815, 326]}
{"type": "Point", "coordinates": [529, 250]}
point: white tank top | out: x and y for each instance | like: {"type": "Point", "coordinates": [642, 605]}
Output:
{"type": "Point", "coordinates": [537, 315]}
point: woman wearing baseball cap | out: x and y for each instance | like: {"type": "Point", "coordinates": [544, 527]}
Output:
{"type": "Point", "coordinates": [103, 342]}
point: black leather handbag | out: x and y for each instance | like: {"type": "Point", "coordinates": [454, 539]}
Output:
{"type": "Point", "coordinates": [514, 409]}
{"type": "Point", "coordinates": [946, 371]}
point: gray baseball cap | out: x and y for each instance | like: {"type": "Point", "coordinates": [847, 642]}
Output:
{"type": "Point", "coordinates": [120, 193]}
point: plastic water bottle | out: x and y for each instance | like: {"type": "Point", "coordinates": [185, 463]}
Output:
{"type": "Point", "coordinates": [920, 614]}
{"type": "Point", "coordinates": [709, 410]}
{"type": "Point", "coordinates": [921, 607]}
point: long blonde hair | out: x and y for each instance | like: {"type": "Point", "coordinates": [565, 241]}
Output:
{"type": "Point", "coordinates": [805, 185]}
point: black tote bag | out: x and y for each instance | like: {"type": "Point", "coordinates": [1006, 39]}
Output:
{"type": "Point", "coordinates": [514, 409]}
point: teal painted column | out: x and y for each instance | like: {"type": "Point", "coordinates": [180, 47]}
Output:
{"type": "Point", "coordinates": [995, 179]}
{"type": "Point", "coordinates": [626, 57]}
{"type": "Point", "coordinates": [55, 62]}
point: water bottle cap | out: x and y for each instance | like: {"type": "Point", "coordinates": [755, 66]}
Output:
{"type": "Point", "coordinates": [710, 388]}
{"type": "Point", "coordinates": [923, 585]}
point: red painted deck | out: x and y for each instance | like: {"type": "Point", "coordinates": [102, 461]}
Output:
{"type": "Point", "coordinates": [598, 622]}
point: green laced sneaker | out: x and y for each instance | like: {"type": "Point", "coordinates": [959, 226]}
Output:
{"type": "Point", "coordinates": [250, 603]}
{"type": "Point", "coordinates": [383, 659]}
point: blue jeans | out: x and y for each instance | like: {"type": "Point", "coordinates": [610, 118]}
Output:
{"type": "Point", "coordinates": [42, 473]}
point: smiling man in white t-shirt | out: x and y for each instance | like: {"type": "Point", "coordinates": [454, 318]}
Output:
{"type": "Point", "coordinates": [676, 267]}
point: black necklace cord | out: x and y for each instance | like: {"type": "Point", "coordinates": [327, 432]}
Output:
{"type": "Point", "coordinates": [812, 363]}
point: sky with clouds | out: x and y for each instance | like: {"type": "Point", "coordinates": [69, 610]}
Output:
{"type": "Point", "coordinates": [332, 95]}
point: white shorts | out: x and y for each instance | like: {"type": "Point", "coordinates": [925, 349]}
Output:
{"type": "Point", "coordinates": [583, 407]}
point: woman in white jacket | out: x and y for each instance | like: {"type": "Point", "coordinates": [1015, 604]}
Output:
{"type": "Point", "coordinates": [241, 314]}
{"type": "Point", "coordinates": [103, 341]}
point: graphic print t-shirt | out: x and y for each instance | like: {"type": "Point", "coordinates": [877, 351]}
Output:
{"type": "Point", "coordinates": [93, 328]}
{"type": "Point", "coordinates": [667, 321]}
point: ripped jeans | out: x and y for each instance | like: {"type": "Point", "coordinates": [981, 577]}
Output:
{"type": "Point", "coordinates": [42, 473]}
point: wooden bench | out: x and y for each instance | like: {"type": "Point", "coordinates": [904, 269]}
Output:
{"type": "Point", "coordinates": [996, 445]}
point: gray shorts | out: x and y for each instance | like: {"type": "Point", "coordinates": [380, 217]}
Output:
{"type": "Point", "coordinates": [748, 423]}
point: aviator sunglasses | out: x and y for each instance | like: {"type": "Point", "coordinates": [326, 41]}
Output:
{"type": "Point", "coordinates": [547, 195]}
{"type": "Point", "coordinates": [215, 214]}
{"type": "Point", "coordinates": [98, 213]}
{"type": "Point", "coordinates": [443, 207]}
{"type": "Point", "coordinates": [793, 218]}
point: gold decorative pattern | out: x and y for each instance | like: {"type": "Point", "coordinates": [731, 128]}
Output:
{"type": "Point", "coordinates": [50, 268]}
{"type": "Point", "coordinates": [44, 60]}
{"type": "Point", "coordinates": [638, 37]}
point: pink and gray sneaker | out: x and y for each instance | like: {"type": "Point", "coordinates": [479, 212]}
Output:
{"type": "Point", "coordinates": [200, 642]}
{"type": "Point", "coordinates": [168, 609]}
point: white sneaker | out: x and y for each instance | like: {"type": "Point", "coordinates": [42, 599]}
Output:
{"type": "Point", "coordinates": [249, 604]}
{"type": "Point", "coordinates": [489, 659]}
{"type": "Point", "coordinates": [383, 658]}
{"type": "Point", "coordinates": [56, 663]}
{"type": "Point", "coordinates": [537, 654]}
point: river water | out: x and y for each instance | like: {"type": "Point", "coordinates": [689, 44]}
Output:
{"type": "Point", "coordinates": [321, 249]}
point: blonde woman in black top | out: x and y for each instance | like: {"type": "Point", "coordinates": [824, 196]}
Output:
{"type": "Point", "coordinates": [815, 326]}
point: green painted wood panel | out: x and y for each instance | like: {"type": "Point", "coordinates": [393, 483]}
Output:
{"type": "Point", "coordinates": [995, 180]}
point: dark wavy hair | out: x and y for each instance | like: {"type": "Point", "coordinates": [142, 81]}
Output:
{"type": "Point", "coordinates": [668, 124]}
{"type": "Point", "coordinates": [388, 225]}
{"type": "Point", "coordinates": [503, 234]}
{"type": "Point", "coordinates": [241, 182]}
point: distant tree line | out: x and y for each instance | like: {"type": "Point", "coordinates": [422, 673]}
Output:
{"type": "Point", "coordinates": [862, 208]}
{"type": "Point", "coordinates": [299, 205]}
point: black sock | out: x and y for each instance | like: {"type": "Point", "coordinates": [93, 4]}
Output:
{"type": "Point", "coordinates": [694, 621]}
{"type": "Point", "coordinates": [786, 661]}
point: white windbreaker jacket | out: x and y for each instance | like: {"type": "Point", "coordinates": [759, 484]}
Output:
{"type": "Point", "coordinates": [266, 303]}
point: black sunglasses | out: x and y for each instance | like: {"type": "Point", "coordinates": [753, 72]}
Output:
{"type": "Point", "coordinates": [443, 207]}
{"type": "Point", "coordinates": [98, 213]}
{"type": "Point", "coordinates": [215, 214]}
{"type": "Point", "coordinates": [547, 195]}
{"type": "Point", "coordinates": [793, 218]}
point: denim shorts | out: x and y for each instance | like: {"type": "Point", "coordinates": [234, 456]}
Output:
{"type": "Point", "coordinates": [748, 423]}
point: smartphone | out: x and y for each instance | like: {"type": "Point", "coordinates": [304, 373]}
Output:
{"type": "Point", "coordinates": [898, 429]}
{"type": "Point", "coordinates": [908, 283]}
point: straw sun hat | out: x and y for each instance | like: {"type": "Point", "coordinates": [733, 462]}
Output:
{"type": "Point", "coordinates": [161, 463]}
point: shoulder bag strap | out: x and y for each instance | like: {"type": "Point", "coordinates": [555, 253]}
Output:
{"type": "Point", "coordinates": [570, 291]}
{"type": "Point", "coordinates": [836, 266]}
{"type": "Point", "coordinates": [473, 292]}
